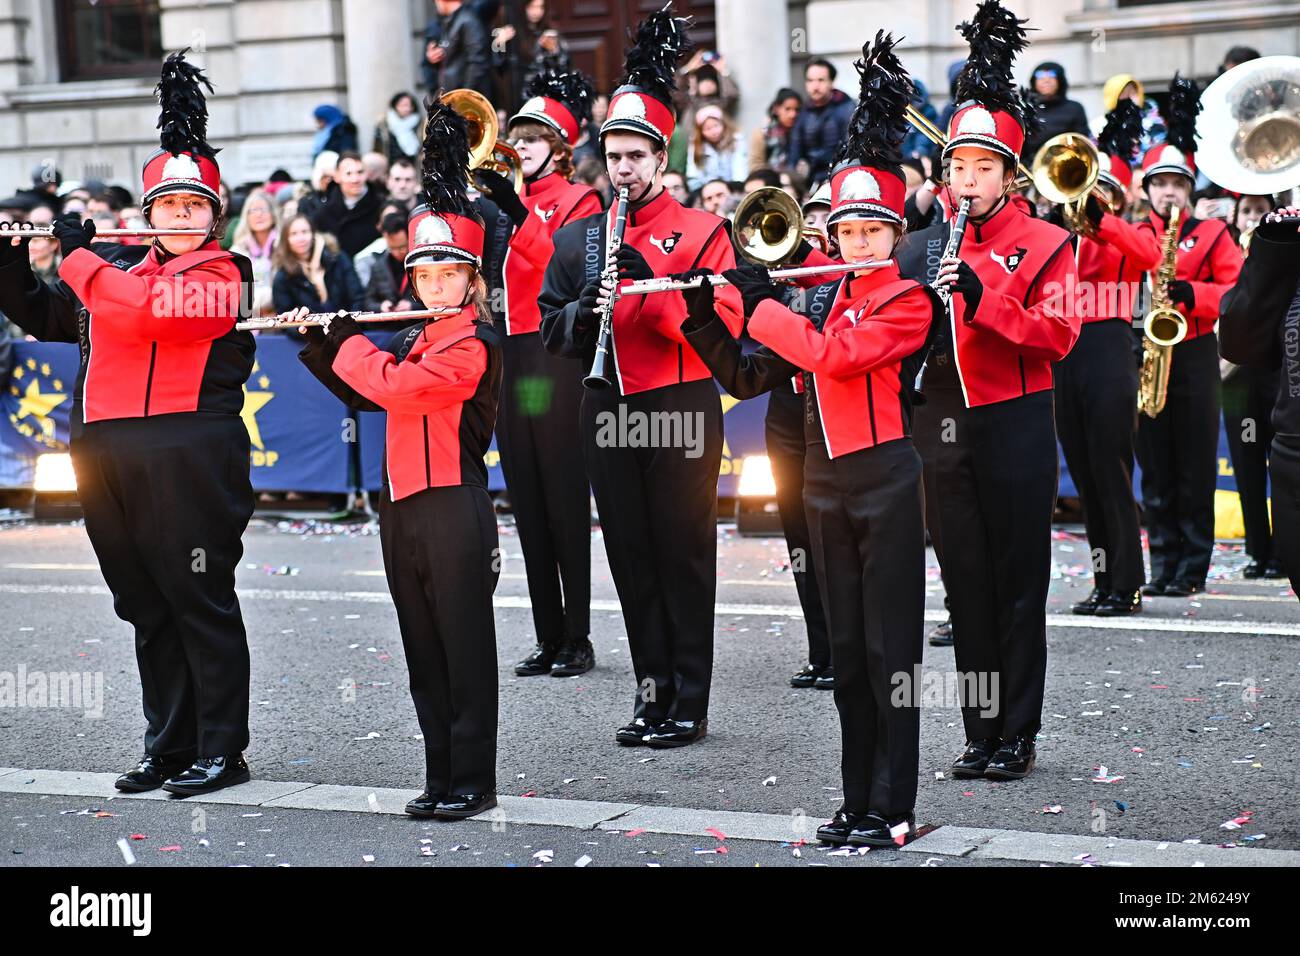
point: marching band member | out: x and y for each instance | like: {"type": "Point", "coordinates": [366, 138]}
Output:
{"type": "Point", "coordinates": [537, 433]}
{"type": "Point", "coordinates": [859, 349]}
{"type": "Point", "coordinates": [1097, 383]}
{"type": "Point", "coordinates": [657, 505]}
{"type": "Point", "coordinates": [160, 451]}
{"type": "Point", "coordinates": [439, 383]}
{"type": "Point", "coordinates": [996, 466]}
{"type": "Point", "coordinates": [1259, 322]}
{"type": "Point", "coordinates": [1178, 450]}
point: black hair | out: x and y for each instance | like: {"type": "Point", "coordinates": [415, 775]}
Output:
{"type": "Point", "coordinates": [768, 176]}
{"type": "Point", "coordinates": [404, 95]}
{"type": "Point", "coordinates": [393, 222]}
{"type": "Point", "coordinates": [821, 61]}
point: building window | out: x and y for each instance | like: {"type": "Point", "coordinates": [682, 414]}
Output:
{"type": "Point", "coordinates": [99, 39]}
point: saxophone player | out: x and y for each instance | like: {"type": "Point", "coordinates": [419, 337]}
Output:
{"type": "Point", "coordinates": [1178, 448]}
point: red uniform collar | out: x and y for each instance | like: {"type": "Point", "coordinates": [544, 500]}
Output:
{"type": "Point", "coordinates": [551, 182]}
{"type": "Point", "coordinates": [644, 215]}
{"type": "Point", "coordinates": [162, 256]}
{"type": "Point", "coordinates": [442, 330]}
{"type": "Point", "coordinates": [856, 287]}
{"type": "Point", "coordinates": [1008, 216]}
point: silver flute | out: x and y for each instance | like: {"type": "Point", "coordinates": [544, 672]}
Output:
{"type": "Point", "coordinates": [268, 322]}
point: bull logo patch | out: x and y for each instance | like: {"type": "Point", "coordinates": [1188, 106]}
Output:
{"type": "Point", "coordinates": [1011, 261]}
{"type": "Point", "coordinates": [667, 244]}
{"type": "Point", "coordinates": [1188, 244]}
{"type": "Point", "coordinates": [545, 214]}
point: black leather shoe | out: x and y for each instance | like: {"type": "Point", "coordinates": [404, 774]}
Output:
{"type": "Point", "coordinates": [633, 733]}
{"type": "Point", "coordinates": [149, 774]}
{"type": "Point", "coordinates": [460, 806]}
{"type": "Point", "coordinates": [1013, 761]}
{"type": "Point", "coordinates": [1118, 603]}
{"type": "Point", "coordinates": [807, 675]}
{"type": "Point", "coordinates": [1089, 604]}
{"type": "Point", "coordinates": [1181, 587]}
{"type": "Point", "coordinates": [1155, 588]}
{"type": "Point", "coordinates": [424, 805]}
{"type": "Point", "coordinates": [575, 657]}
{"type": "Point", "coordinates": [876, 830]}
{"type": "Point", "coordinates": [1253, 570]}
{"type": "Point", "coordinates": [941, 636]}
{"type": "Point", "coordinates": [838, 828]}
{"type": "Point", "coordinates": [826, 679]}
{"type": "Point", "coordinates": [677, 733]}
{"type": "Point", "coordinates": [975, 757]}
{"type": "Point", "coordinates": [1274, 569]}
{"type": "Point", "coordinates": [208, 775]}
{"type": "Point", "coordinates": [539, 661]}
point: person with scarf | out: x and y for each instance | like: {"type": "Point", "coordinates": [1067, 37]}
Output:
{"type": "Point", "coordinates": [334, 131]}
{"type": "Point", "coordinates": [397, 134]}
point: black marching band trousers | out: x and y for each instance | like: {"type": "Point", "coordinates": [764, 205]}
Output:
{"type": "Point", "coordinates": [166, 501]}
{"type": "Point", "coordinates": [658, 512]}
{"type": "Point", "coordinates": [441, 559]}
{"type": "Point", "coordinates": [541, 455]}
{"type": "Point", "coordinates": [1248, 397]}
{"type": "Point", "coordinates": [784, 431]}
{"type": "Point", "coordinates": [1096, 416]}
{"type": "Point", "coordinates": [866, 516]}
{"type": "Point", "coordinates": [1178, 451]}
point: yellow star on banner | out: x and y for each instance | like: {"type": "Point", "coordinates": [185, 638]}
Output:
{"type": "Point", "coordinates": [253, 403]}
{"type": "Point", "coordinates": [728, 403]}
{"type": "Point", "coordinates": [38, 404]}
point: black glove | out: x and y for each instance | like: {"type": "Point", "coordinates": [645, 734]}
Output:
{"type": "Point", "coordinates": [753, 284]}
{"type": "Point", "coordinates": [314, 334]}
{"type": "Point", "coordinates": [699, 302]}
{"type": "Point", "coordinates": [1181, 293]}
{"type": "Point", "coordinates": [969, 285]}
{"type": "Point", "coordinates": [801, 252]}
{"type": "Point", "coordinates": [11, 252]}
{"type": "Point", "coordinates": [341, 328]}
{"type": "Point", "coordinates": [632, 265]}
{"type": "Point", "coordinates": [502, 192]}
{"type": "Point", "coordinates": [73, 234]}
{"type": "Point", "coordinates": [586, 318]}
{"type": "Point", "coordinates": [1094, 210]}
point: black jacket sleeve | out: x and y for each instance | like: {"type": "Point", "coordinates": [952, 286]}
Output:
{"type": "Point", "coordinates": [319, 357]}
{"type": "Point", "coordinates": [562, 286]}
{"type": "Point", "coordinates": [1251, 312]}
{"type": "Point", "coordinates": [47, 312]}
{"type": "Point", "coordinates": [743, 376]}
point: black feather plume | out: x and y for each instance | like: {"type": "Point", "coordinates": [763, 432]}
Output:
{"type": "Point", "coordinates": [651, 63]}
{"type": "Point", "coordinates": [1184, 105]}
{"type": "Point", "coordinates": [1122, 134]}
{"type": "Point", "coordinates": [995, 36]}
{"type": "Point", "coordinates": [879, 122]}
{"type": "Point", "coordinates": [183, 118]}
{"type": "Point", "coordinates": [1031, 117]}
{"type": "Point", "coordinates": [445, 169]}
{"type": "Point", "coordinates": [571, 88]}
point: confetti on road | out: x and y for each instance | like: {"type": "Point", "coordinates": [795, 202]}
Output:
{"type": "Point", "coordinates": [127, 856]}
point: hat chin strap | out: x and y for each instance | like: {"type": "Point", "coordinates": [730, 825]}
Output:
{"type": "Point", "coordinates": [541, 170]}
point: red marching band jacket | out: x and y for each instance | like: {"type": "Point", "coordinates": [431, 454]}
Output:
{"type": "Point", "coordinates": [1207, 258]}
{"type": "Point", "coordinates": [441, 400]}
{"type": "Point", "coordinates": [649, 347]}
{"type": "Point", "coordinates": [1112, 268]}
{"type": "Point", "coordinates": [875, 322]}
{"type": "Point", "coordinates": [1025, 321]}
{"type": "Point", "coordinates": [552, 202]}
{"type": "Point", "coordinates": [151, 329]}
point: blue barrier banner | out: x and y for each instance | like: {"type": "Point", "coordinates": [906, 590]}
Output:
{"type": "Point", "coordinates": [305, 439]}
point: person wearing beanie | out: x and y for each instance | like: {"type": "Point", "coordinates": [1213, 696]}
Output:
{"type": "Point", "coordinates": [656, 494]}
{"type": "Point", "coordinates": [160, 451]}
{"type": "Point", "coordinates": [439, 382]}
{"type": "Point", "coordinates": [1178, 449]}
{"type": "Point", "coordinates": [537, 434]}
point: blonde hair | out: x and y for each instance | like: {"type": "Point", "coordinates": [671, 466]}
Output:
{"type": "Point", "coordinates": [242, 231]}
{"type": "Point", "coordinates": [727, 142]}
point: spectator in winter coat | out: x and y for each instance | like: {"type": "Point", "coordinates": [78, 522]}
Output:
{"type": "Point", "coordinates": [822, 124]}
{"type": "Point", "coordinates": [1056, 113]}
{"type": "Point", "coordinates": [349, 213]}
{"type": "Point", "coordinates": [460, 57]}
{"type": "Point", "coordinates": [309, 273]}
{"type": "Point", "coordinates": [334, 131]}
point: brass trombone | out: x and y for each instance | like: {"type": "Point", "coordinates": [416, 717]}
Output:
{"type": "Point", "coordinates": [1065, 173]}
{"type": "Point", "coordinates": [486, 149]}
{"type": "Point", "coordinates": [768, 227]}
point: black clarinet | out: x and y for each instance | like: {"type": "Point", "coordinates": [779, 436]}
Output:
{"type": "Point", "coordinates": [598, 379]}
{"type": "Point", "coordinates": [955, 235]}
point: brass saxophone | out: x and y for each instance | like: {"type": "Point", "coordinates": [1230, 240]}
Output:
{"type": "Point", "coordinates": [1164, 326]}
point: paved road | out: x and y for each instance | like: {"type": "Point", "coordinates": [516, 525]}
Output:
{"type": "Point", "coordinates": [1192, 709]}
